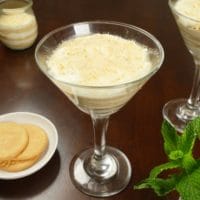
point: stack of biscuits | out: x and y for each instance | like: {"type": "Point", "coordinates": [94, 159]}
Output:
{"type": "Point", "coordinates": [21, 145]}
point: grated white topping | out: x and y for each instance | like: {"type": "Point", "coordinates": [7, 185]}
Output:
{"type": "Point", "coordinates": [99, 60]}
{"type": "Point", "coordinates": [190, 8]}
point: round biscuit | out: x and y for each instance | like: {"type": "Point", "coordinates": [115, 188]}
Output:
{"type": "Point", "coordinates": [15, 166]}
{"type": "Point", "coordinates": [13, 140]}
{"type": "Point", "coordinates": [38, 143]}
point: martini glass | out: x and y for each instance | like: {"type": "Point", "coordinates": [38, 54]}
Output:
{"type": "Point", "coordinates": [101, 170]}
{"type": "Point", "coordinates": [179, 112]}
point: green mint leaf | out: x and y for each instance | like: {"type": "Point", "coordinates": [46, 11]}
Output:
{"type": "Point", "coordinates": [159, 169]}
{"type": "Point", "coordinates": [175, 155]}
{"type": "Point", "coordinates": [188, 137]}
{"type": "Point", "coordinates": [171, 138]}
{"type": "Point", "coordinates": [194, 125]}
{"type": "Point", "coordinates": [189, 186]}
{"type": "Point", "coordinates": [179, 149]}
{"type": "Point", "coordinates": [160, 186]}
{"type": "Point", "coordinates": [144, 184]}
{"type": "Point", "coordinates": [189, 163]}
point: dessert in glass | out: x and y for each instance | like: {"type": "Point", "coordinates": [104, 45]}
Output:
{"type": "Point", "coordinates": [99, 66]}
{"type": "Point", "coordinates": [18, 25]}
{"type": "Point", "coordinates": [179, 112]}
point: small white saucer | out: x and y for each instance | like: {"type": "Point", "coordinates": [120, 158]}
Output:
{"type": "Point", "coordinates": [36, 119]}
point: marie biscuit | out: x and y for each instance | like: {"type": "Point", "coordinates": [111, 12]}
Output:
{"type": "Point", "coordinates": [15, 166]}
{"type": "Point", "coordinates": [38, 143]}
{"type": "Point", "coordinates": [21, 145]}
{"type": "Point", "coordinates": [13, 140]}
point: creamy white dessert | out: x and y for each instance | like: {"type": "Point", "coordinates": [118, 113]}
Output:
{"type": "Point", "coordinates": [190, 8]}
{"type": "Point", "coordinates": [18, 28]}
{"type": "Point", "coordinates": [99, 60]}
{"type": "Point", "coordinates": [189, 23]}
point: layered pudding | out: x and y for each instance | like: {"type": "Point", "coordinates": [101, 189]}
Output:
{"type": "Point", "coordinates": [100, 72]}
{"type": "Point", "coordinates": [18, 26]}
{"type": "Point", "coordinates": [187, 15]}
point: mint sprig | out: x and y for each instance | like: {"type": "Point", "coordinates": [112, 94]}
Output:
{"type": "Point", "coordinates": [179, 150]}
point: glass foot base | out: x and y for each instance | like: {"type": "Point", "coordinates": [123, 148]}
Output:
{"type": "Point", "coordinates": [116, 177]}
{"type": "Point", "coordinates": [178, 113]}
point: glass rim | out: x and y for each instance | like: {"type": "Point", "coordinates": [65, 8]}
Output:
{"type": "Point", "coordinates": [170, 2]}
{"type": "Point", "coordinates": [11, 10]}
{"type": "Point", "coordinates": [147, 34]}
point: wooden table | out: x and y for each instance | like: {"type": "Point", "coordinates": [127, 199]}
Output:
{"type": "Point", "coordinates": [135, 129]}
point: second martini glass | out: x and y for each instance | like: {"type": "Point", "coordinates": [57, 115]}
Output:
{"type": "Point", "coordinates": [102, 170]}
{"type": "Point", "coordinates": [179, 112]}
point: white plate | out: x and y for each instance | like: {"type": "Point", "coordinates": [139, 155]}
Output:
{"type": "Point", "coordinates": [26, 117]}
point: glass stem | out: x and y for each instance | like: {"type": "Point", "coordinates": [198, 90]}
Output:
{"type": "Point", "coordinates": [100, 127]}
{"type": "Point", "coordinates": [100, 166]}
{"type": "Point", "coordinates": [193, 101]}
